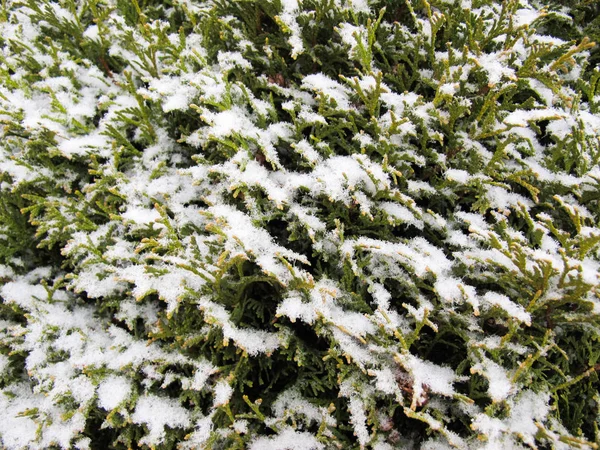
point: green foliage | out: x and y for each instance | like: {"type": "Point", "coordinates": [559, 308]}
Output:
{"type": "Point", "coordinates": [299, 224]}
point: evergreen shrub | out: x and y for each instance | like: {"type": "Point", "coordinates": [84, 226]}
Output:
{"type": "Point", "coordinates": [299, 224]}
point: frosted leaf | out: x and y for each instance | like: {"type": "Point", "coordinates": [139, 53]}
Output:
{"type": "Point", "coordinates": [83, 444]}
{"type": "Point", "coordinates": [502, 199]}
{"type": "Point", "coordinates": [359, 5]}
{"type": "Point", "coordinates": [257, 242]}
{"type": "Point", "coordinates": [311, 117]}
{"type": "Point", "coordinates": [526, 410]}
{"type": "Point", "coordinates": [22, 293]}
{"type": "Point", "coordinates": [226, 123]}
{"type": "Point", "coordinates": [175, 92]}
{"type": "Point", "coordinates": [493, 65]}
{"type": "Point", "coordinates": [449, 289]}
{"type": "Point", "coordinates": [4, 364]}
{"type": "Point", "coordinates": [401, 214]}
{"type": "Point", "coordinates": [385, 381]}
{"type": "Point", "coordinates": [294, 308]}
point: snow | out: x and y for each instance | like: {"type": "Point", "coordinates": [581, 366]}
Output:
{"type": "Point", "coordinates": [322, 84]}
{"type": "Point", "coordinates": [521, 118]}
{"type": "Point", "coordinates": [287, 438]}
{"type": "Point", "coordinates": [499, 384]}
{"type": "Point", "coordinates": [113, 391]}
{"type": "Point", "coordinates": [460, 176]}
{"type": "Point", "coordinates": [16, 431]}
{"type": "Point", "coordinates": [352, 35]}
{"type": "Point", "coordinates": [141, 215]}
{"type": "Point", "coordinates": [492, 65]}
{"type": "Point", "coordinates": [512, 309]}
{"type": "Point", "coordinates": [203, 371]}
{"type": "Point", "coordinates": [525, 17]}
{"type": "Point", "coordinates": [227, 122]}
{"type": "Point", "coordinates": [525, 412]}
{"type": "Point", "coordinates": [223, 392]}
{"type": "Point", "coordinates": [428, 376]}
{"type": "Point", "coordinates": [251, 341]}
{"type": "Point", "coordinates": [231, 60]}
{"type": "Point", "coordinates": [156, 413]}
{"type": "Point", "coordinates": [288, 17]}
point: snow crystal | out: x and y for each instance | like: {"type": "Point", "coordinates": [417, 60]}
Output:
{"type": "Point", "coordinates": [240, 426]}
{"type": "Point", "coordinates": [501, 199]}
{"type": "Point", "coordinates": [360, 5]}
{"type": "Point", "coordinates": [92, 33]}
{"type": "Point", "coordinates": [175, 92]}
{"type": "Point", "coordinates": [525, 412]}
{"type": "Point", "coordinates": [294, 308]}
{"type": "Point", "coordinates": [401, 213]}
{"type": "Point", "coordinates": [449, 88]}
{"type": "Point", "coordinates": [311, 117]}
{"type": "Point", "coordinates": [385, 381]}
{"type": "Point", "coordinates": [225, 123]}
{"type": "Point", "coordinates": [83, 444]}
{"type": "Point", "coordinates": [252, 341]}
{"type": "Point", "coordinates": [202, 431]}
{"type": "Point", "coordinates": [256, 241]}
{"type": "Point", "coordinates": [528, 409]}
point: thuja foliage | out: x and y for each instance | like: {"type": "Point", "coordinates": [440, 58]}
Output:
{"type": "Point", "coordinates": [299, 224]}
